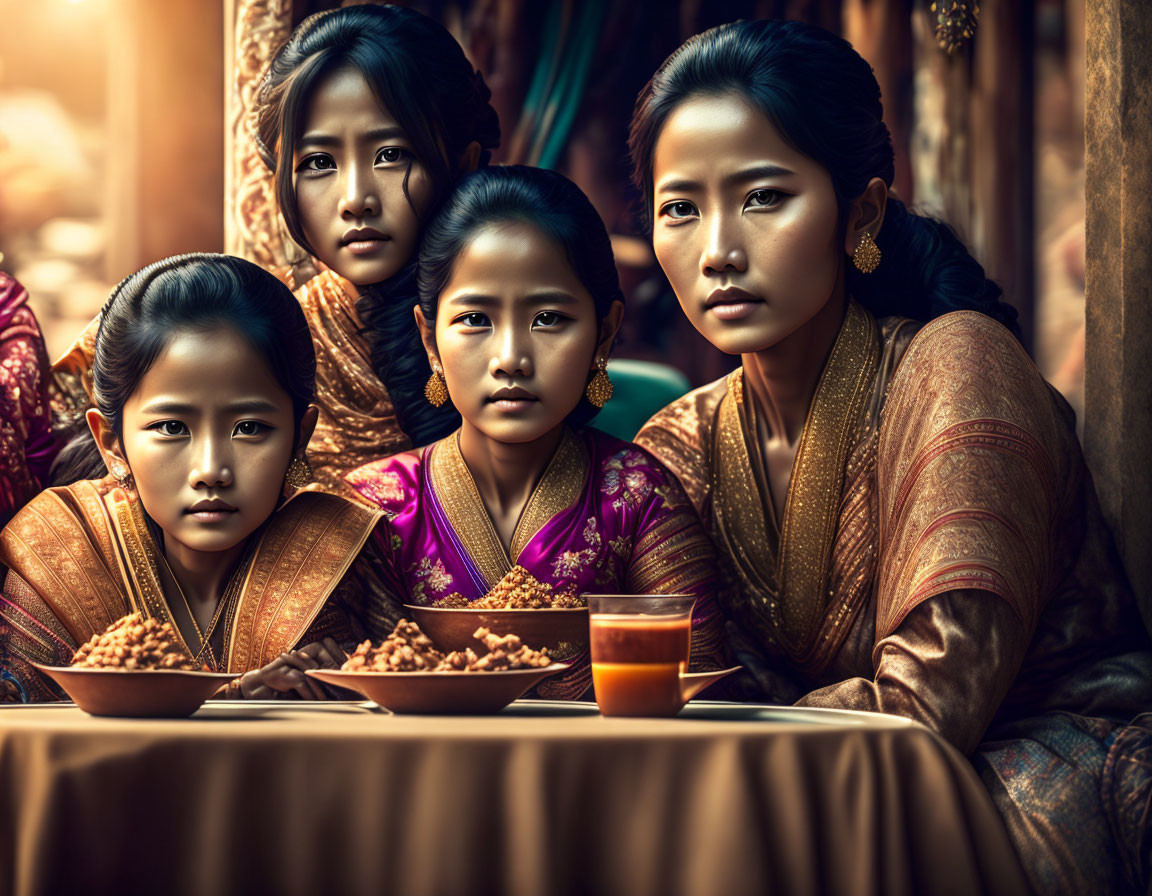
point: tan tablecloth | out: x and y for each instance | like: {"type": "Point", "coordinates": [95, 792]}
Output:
{"type": "Point", "coordinates": [345, 800]}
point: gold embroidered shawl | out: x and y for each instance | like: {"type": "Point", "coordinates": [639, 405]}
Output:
{"type": "Point", "coordinates": [963, 476]}
{"type": "Point", "coordinates": [798, 587]}
{"type": "Point", "coordinates": [357, 422]}
{"type": "Point", "coordinates": [84, 558]}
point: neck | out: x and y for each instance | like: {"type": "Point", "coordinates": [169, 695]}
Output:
{"type": "Point", "coordinates": [201, 575]}
{"type": "Point", "coordinates": [505, 473]}
{"type": "Point", "coordinates": [782, 379]}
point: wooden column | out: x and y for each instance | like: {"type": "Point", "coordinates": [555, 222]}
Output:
{"type": "Point", "coordinates": [166, 131]}
{"type": "Point", "coordinates": [1118, 357]}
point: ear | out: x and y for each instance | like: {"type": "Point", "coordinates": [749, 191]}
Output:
{"type": "Point", "coordinates": [866, 214]}
{"type": "Point", "coordinates": [469, 159]}
{"type": "Point", "coordinates": [307, 427]}
{"type": "Point", "coordinates": [609, 327]}
{"type": "Point", "coordinates": [106, 440]}
{"type": "Point", "coordinates": [428, 337]}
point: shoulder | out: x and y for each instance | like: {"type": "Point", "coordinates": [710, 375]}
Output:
{"type": "Point", "coordinates": [390, 483]}
{"type": "Point", "coordinates": [966, 379]}
{"type": "Point", "coordinates": [50, 516]}
{"type": "Point", "coordinates": [316, 502]}
{"type": "Point", "coordinates": [325, 291]}
{"type": "Point", "coordinates": [681, 436]}
{"type": "Point", "coordinates": [632, 472]}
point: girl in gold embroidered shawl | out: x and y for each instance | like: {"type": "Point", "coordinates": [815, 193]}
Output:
{"type": "Point", "coordinates": [903, 514]}
{"type": "Point", "coordinates": [203, 373]}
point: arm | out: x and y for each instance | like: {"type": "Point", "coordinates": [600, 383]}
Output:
{"type": "Point", "coordinates": [948, 666]}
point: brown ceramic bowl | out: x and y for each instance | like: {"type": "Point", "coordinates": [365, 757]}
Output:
{"type": "Point", "coordinates": [439, 693]}
{"type": "Point", "coordinates": [563, 631]}
{"type": "Point", "coordinates": [162, 693]}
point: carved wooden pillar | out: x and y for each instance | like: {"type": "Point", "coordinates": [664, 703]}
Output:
{"type": "Point", "coordinates": [1118, 356]}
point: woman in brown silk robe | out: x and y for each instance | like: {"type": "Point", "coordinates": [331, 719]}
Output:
{"type": "Point", "coordinates": [904, 519]}
{"type": "Point", "coordinates": [203, 375]}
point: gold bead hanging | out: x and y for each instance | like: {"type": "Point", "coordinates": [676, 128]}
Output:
{"type": "Point", "coordinates": [955, 22]}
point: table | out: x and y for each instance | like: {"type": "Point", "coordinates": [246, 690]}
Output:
{"type": "Point", "coordinates": [543, 798]}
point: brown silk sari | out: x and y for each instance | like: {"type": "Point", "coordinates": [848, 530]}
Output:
{"type": "Point", "coordinates": [941, 557]}
{"type": "Point", "coordinates": [81, 557]}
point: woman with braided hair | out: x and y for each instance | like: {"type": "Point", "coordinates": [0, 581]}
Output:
{"type": "Point", "coordinates": [903, 516]}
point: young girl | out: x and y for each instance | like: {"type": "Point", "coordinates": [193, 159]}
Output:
{"type": "Point", "coordinates": [203, 376]}
{"type": "Point", "coordinates": [367, 116]}
{"type": "Point", "coordinates": [519, 305]}
{"type": "Point", "coordinates": [904, 518]}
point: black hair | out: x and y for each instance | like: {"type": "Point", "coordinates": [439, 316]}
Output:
{"type": "Point", "coordinates": [198, 292]}
{"type": "Point", "coordinates": [543, 199]}
{"type": "Point", "coordinates": [823, 98]}
{"type": "Point", "coordinates": [419, 73]}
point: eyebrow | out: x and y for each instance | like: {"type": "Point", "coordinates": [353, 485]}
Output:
{"type": "Point", "coordinates": [550, 297]}
{"type": "Point", "coordinates": [327, 140]}
{"type": "Point", "coordinates": [243, 406]}
{"type": "Point", "coordinates": [756, 172]}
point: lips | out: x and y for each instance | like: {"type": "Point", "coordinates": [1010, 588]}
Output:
{"type": "Point", "coordinates": [512, 394]}
{"type": "Point", "coordinates": [731, 295]}
{"type": "Point", "coordinates": [212, 509]}
{"type": "Point", "coordinates": [363, 240]}
{"type": "Point", "coordinates": [732, 303]}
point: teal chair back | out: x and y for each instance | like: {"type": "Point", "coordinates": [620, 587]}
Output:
{"type": "Point", "coordinates": [640, 389]}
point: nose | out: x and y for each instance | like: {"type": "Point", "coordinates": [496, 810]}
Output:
{"type": "Point", "coordinates": [510, 359]}
{"type": "Point", "coordinates": [724, 249]}
{"type": "Point", "coordinates": [212, 467]}
{"type": "Point", "coordinates": [358, 199]}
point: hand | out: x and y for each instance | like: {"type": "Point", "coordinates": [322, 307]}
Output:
{"type": "Point", "coordinates": [285, 674]}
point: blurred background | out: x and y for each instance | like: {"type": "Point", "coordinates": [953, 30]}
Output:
{"type": "Point", "coordinates": [124, 138]}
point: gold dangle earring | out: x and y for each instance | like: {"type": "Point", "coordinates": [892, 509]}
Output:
{"type": "Point", "coordinates": [600, 388]}
{"type": "Point", "coordinates": [299, 474]}
{"type": "Point", "coordinates": [867, 254]}
{"type": "Point", "coordinates": [436, 390]}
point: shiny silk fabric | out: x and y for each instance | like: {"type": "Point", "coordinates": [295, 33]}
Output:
{"type": "Point", "coordinates": [27, 447]}
{"type": "Point", "coordinates": [605, 518]}
{"type": "Point", "coordinates": [959, 573]}
{"type": "Point", "coordinates": [357, 423]}
{"type": "Point", "coordinates": [81, 556]}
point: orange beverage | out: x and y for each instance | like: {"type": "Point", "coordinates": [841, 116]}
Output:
{"type": "Point", "coordinates": [637, 660]}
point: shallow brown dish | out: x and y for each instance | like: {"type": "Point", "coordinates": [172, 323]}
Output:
{"type": "Point", "coordinates": [563, 631]}
{"type": "Point", "coordinates": [439, 693]}
{"type": "Point", "coordinates": [162, 693]}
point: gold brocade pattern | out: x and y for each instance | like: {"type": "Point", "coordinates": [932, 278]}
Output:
{"type": "Point", "coordinates": [559, 487]}
{"type": "Point", "coordinates": [357, 423]}
{"type": "Point", "coordinates": [252, 222]}
{"type": "Point", "coordinates": [970, 486]}
{"type": "Point", "coordinates": [791, 576]}
{"type": "Point", "coordinates": [86, 554]}
{"type": "Point", "coordinates": [72, 392]}
{"type": "Point", "coordinates": [304, 552]}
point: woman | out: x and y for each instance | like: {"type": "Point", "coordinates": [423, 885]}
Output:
{"type": "Point", "coordinates": [518, 298]}
{"type": "Point", "coordinates": [27, 447]}
{"type": "Point", "coordinates": [904, 518]}
{"type": "Point", "coordinates": [367, 116]}
{"type": "Point", "coordinates": [203, 376]}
